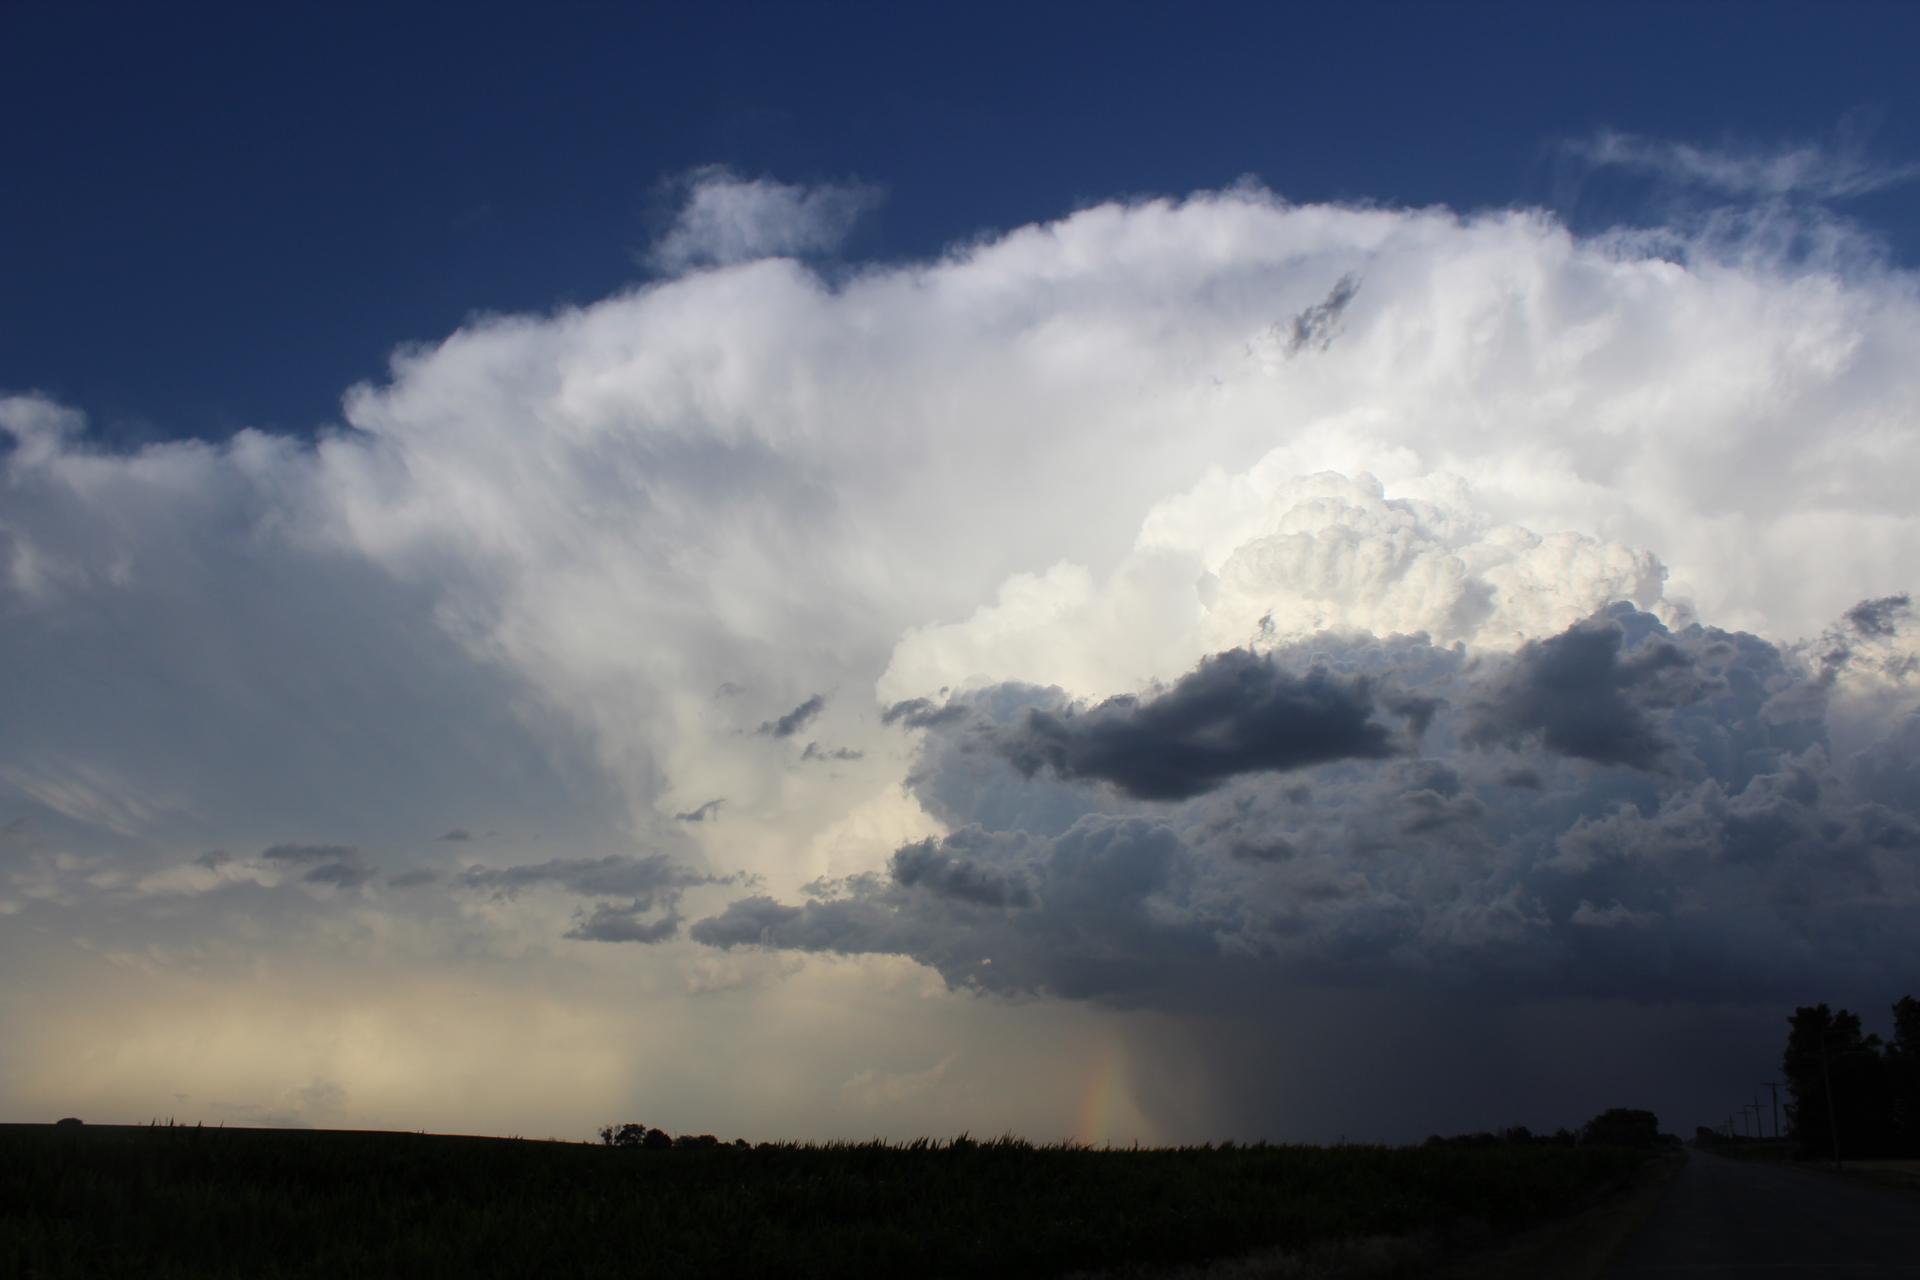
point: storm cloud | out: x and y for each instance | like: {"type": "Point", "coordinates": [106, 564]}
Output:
{"type": "Point", "coordinates": [1582, 871]}
{"type": "Point", "coordinates": [611, 922]}
{"type": "Point", "coordinates": [1548, 689]}
{"type": "Point", "coordinates": [1236, 713]}
{"type": "Point", "coordinates": [1586, 696]}
{"type": "Point", "coordinates": [1002, 911]}
{"type": "Point", "coordinates": [945, 868]}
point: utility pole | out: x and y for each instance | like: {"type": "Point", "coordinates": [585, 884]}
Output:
{"type": "Point", "coordinates": [1759, 1119]}
{"type": "Point", "coordinates": [1833, 1119]}
{"type": "Point", "coordinates": [1775, 1086]}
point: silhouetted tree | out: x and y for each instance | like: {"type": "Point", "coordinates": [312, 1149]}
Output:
{"type": "Point", "coordinates": [1903, 1076]}
{"type": "Point", "coordinates": [634, 1135]}
{"type": "Point", "coordinates": [1623, 1127]}
{"type": "Point", "coordinates": [1838, 1078]}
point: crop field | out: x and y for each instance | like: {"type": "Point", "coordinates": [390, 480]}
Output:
{"type": "Point", "coordinates": [177, 1202]}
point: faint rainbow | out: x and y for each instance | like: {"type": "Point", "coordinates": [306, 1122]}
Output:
{"type": "Point", "coordinates": [1102, 1098]}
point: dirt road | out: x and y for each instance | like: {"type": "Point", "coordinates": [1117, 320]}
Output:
{"type": "Point", "coordinates": [1728, 1218]}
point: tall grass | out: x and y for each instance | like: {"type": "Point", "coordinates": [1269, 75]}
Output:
{"type": "Point", "coordinates": [167, 1202]}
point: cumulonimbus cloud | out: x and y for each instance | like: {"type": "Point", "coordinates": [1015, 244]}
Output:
{"type": "Point", "coordinates": [1425, 452]}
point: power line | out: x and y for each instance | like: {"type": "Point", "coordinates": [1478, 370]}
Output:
{"type": "Point", "coordinates": [1775, 1086]}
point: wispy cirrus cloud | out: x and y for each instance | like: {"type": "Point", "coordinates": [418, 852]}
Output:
{"type": "Point", "coordinates": [1838, 169]}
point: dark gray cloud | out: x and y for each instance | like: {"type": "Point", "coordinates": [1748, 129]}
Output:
{"type": "Point", "coordinates": [458, 835]}
{"type": "Point", "coordinates": [1587, 693]}
{"type": "Point", "coordinates": [614, 875]}
{"type": "Point", "coordinates": [1749, 864]}
{"type": "Point", "coordinates": [413, 879]}
{"type": "Point", "coordinates": [922, 713]}
{"type": "Point", "coordinates": [1237, 713]}
{"type": "Point", "coordinates": [343, 875]}
{"type": "Point", "coordinates": [1435, 797]}
{"type": "Point", "coordinates": [311, 853]}
{"type": "Point", "coordinates": [1255, 850]}
{"type": "Point", "coordinates": [1418, 711]}
{"type": "Point", "coordinates": [701, 812]}
{"type": "Point", "coordinates": [1316, 326]}
{"type": "Point", "coordinates": [340, 865]}
{"type": "Point", "coordinates": [1075, 915]}
{"type": "Point", "coordinates": [943, 867]}
{"type": "Point", "coordinates": [610, 922]}
{"type": "Point", "coordinates": [1866, 639]}
{"type": "Point", "coordinates": [844, 925]}
{"type": "Point", "coordinates": [795, 720]}
{"type": "Point", "coordinates": [1880, 618]}
{"type": "Point", "coordinates": [652, 887]}
{"type": "Point", "coordinates": [815, 751]}
{"type": "Point", "coordinates": [1889, 772]}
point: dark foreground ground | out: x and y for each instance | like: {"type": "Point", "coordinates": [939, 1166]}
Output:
{"type": "Point", "coordinates": [162, 1202]}
{"type": "Point", "coordinates": [1730, 1218]}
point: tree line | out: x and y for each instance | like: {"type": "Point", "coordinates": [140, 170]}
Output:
{"type": "Point", "coordinates": [1853, 1094]}
{"type": "Point", "coordinates": [1615, 1127]}
{"type": "Point", "coordinates": [641, 1137]}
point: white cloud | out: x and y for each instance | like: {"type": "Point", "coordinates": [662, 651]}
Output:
{"type": "Point", "coordinates": [1263, 558]}
{"type": "Point", "coordinates": [726, 218]}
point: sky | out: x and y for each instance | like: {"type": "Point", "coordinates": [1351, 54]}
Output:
{"type": "Point", "coordinates": [833, 571]}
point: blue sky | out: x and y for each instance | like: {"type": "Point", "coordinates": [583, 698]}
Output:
{"type": "Point", "coordinates": [223, 215]}
{"type": "Point", "coordinates": [1115, 572]}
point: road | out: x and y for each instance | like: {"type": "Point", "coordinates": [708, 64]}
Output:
{"type": "Point", "coordinates": [1726, 1218]}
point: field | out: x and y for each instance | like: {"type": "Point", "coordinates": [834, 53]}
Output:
{"type": "Point", "coordinates": [161, 1202]}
